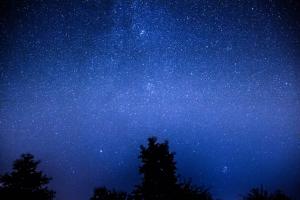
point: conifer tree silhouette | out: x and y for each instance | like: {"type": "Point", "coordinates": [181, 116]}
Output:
{"type": "Point", "coordinates": [159, 177]}
{"type": "Point", "coordinates": [25, 182]}
{"type": "Point", "coordinates": [158, 170]}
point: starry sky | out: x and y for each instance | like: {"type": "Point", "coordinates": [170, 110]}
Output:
{"type": "Point", "coordinates": [85, 82]}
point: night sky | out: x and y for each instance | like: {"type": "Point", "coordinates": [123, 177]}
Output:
{"type": "Point", "coordinates": [84, 83]}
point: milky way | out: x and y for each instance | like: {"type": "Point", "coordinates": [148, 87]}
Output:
{"type": "Point", "coordinates": [84, 83]}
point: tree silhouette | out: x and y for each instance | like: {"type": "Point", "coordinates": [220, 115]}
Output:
{"type": "Point", "coordinates": [25, 182]}
{"type": "Point", "coordinates": [159, 178]}
{"type": "Point", "coordinates": [158, 169]}
{"type": "Point", "coordinates": [262, 194]}
{"type": "Point", "coordinates": [102, 193]}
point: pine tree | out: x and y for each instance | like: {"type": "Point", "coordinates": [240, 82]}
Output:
{"type": "Point", "coordinates": [158, 170]}
{"type": "Point", "coordinates": [25, 181]}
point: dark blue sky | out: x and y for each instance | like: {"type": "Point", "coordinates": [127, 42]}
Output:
{"type": "Point", "coordinates": [84, 83]}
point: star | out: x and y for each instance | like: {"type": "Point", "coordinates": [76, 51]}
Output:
{"type": "Point", "coordinates": [142, 32]}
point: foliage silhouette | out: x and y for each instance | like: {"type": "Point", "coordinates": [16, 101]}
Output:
{"type": "Point", "coordinates": [158, 169]}
{"type": "Point", "coordinates": [159, 181]}
{"type": "Point", "coordinates": [159, 178]}
{"type": "Point", "coordinates": [192, 192]}
{"type": "Point", "coordinates": [25, 182]}
{"type": "Point", "coordinates": [262, 194]}
{"type": "Point", "coordinates": [102, 193]}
